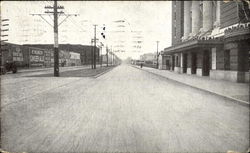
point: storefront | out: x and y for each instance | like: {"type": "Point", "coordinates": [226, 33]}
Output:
{"type": "Point", "coordinates": [191, 57]}
{"type": "Point", "coordinates": [232, 62]}
{"type": "Point", "coordinates": [224, 58]}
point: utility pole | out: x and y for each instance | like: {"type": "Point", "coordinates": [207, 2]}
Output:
{"type": "Point", "coordinates": [56, 54]}
{"type": "Point", "coordinates": [55, 26]}
{"type": "Point", "coordinates": [92, 55]}
{"type": "Point", "coordinates": [100, 55]}
{"type": "Point", "coordinates": [157, 55]}
{"type": "Point", "coordinates": [107, 54]}
{"type": "Point", "coordinates": [95, 46]}
{"type": "Point", "coordinates": [113, 62]}
{"type": "Point", "coordinates": [111, 55]}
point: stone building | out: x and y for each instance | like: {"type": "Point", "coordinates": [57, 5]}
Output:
{"type": "Point", "coordinates": [210, 38]}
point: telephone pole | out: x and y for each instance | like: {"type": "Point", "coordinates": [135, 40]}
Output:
{"type": "Point", "coordinates": [100, 55]}
{"type": "Point", "coordinates": [157, 63]}
{"type": "Point", "coordinates": [112, 57]}
{"type": "Point", "coordinates": [92, 54]}
{"type": "Point", "coordinates": [107, 54]}
{"type": "Point", "coordinates": [56, 54]}
{"type": "Point", "coordinates": [55, 26]}
{"type": "Point", "coordinates": [95, 46]}
{"type": "Point", "coordinates": [111, 54]}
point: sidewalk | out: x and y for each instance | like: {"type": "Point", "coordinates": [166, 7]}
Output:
{"type": "Point", "coordinates": [51, 68]}
{"type": "Point", "coordinates": [235, 91]}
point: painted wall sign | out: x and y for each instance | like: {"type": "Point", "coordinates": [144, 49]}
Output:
{"type": "Point", "coordinates": [36, 57]}
{"type": "Point", "coordinates": [17, 54]}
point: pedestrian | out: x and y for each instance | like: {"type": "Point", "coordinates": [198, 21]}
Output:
{"type": "Point", "coordinates": [141, 65]}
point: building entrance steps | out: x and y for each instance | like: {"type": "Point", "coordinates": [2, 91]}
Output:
{"type": "Point", "coordinates": [238, 92]}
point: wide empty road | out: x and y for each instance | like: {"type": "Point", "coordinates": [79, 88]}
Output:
{"type": "Point", "coordinates": [124, 110]}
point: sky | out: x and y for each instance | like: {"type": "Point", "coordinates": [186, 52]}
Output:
{"type": "Point", "coordinates": [131, 27]}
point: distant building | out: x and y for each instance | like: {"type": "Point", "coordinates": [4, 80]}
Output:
{"type": "Point", "coordinates": [210, 38]}
{"type": "Point", "coordinates": [74, 59]}
{"type": "Point", "coordinates": [149, 59]}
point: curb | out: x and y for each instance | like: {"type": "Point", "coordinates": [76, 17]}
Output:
{"type": "Point", "coordinates": [45, 69]}
{"type": "Point", "coordinates": [100, 74]}
{"type": "Point", "coordinates": [38, 70]}
{"type": "Point", "coordinates": [241, 102]}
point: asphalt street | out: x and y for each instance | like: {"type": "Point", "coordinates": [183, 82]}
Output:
{"type": "Point", "coordinates": [123, 110]}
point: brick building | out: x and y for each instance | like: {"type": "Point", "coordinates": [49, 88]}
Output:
{"type": "Point", "coordinates": [42, 55]}
{"type": "Point", "coordinates": [210, 38]}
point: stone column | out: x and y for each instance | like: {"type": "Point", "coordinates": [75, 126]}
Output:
{"type": "Point", "coordinates": [181, 62]}
{"type": "Point", "coordinates": [207, 15]}
{"type": "Point", "coordinates": [189, 63]}
{"type": "Point", "coordinates": [181, 59]}
{"type": "Point", "coordinates": [195, 17]}
{"type": "Point", "coordinates": [187, 17]}
{"type": "Point", "coordinates": [217, 23]}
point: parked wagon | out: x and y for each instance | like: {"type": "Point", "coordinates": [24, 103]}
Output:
{"type": "Point", "coordinates": [8, 66]}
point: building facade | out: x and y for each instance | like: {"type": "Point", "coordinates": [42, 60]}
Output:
{"type": "Point", "coordinates": [85, 51]}
{"type": "Point", "coordinates": [210, 38]}
{"type": "Point", "coordinates": [149, 59]}
{"type": "Point", "coordinates": [42, 55]}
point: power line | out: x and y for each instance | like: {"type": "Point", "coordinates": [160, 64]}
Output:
{"type": "Point", "coordinates": [54, 10]}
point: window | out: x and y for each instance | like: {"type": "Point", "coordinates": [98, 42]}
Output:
{"type": "Point", "coordinates": [174, 3]}
{"type": "Point", "coordinates": [174, 31]}
{"type": "Point", "coordinates": [181, 18]}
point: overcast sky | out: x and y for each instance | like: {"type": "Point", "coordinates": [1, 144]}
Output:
{"type": "Point", "coordinates": [145, 21]}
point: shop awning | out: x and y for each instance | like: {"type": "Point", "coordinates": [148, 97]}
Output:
{"type": "Point", "coordinates": [192, 44]}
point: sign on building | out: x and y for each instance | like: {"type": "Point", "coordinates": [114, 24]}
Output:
{"type": "Point", "coordinates": [47, 58]}
{"type": "Point", "coordinates": [36, 57]}
{"type": "Point", "coordinates": [17, 55]}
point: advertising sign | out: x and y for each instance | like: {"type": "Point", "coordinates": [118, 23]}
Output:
{"type": "Point", "coordinates": [17, 55]}
{"type": "Point", "coordinates": [47, 57]}
{"type": "Point", "coordinates": [36, 57]}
